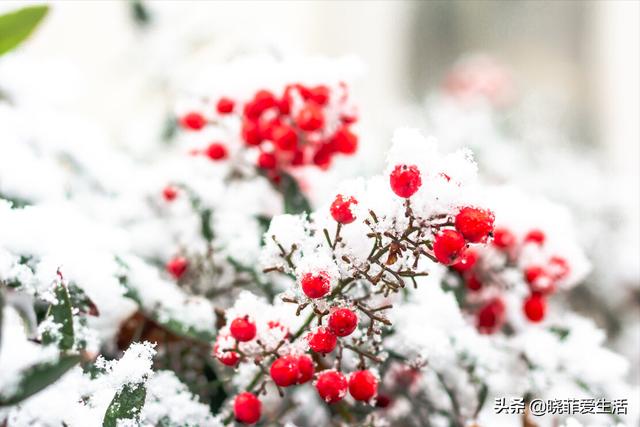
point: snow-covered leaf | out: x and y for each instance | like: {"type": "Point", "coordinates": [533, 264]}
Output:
{"type": "Point", "coordinates": [37, 377]}
{"type": "Point", "coordinates": [126, 405]}
{"type": "Point", "coordinates": [62, 316]}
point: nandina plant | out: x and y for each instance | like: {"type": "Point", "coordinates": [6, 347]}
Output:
{"type": "Point", "coordinates": [347, 264]}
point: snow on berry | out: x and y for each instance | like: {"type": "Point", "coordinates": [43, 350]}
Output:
{"type": "Point", "coordinates": [405, 180]}
{"type": "Point", "coordinates": [341, 209]}
{"type": "Point", "coordinates": [448, 246]}
{"type": "Point", "coordinates": [322, 340]}
{"type": "Point", "coordinates": [331, 386]}
{"type": "Point", "coordinates": [315, 285]}
{"type": "Point", "coordinates": [475, 224]}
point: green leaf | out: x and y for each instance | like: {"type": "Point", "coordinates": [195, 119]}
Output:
{"type": "Point", "coordinates": [205, 218]}
{"type": "Point", "coordinates": [16, 26]}
{"type": "Point", "coordinates": [179, 328]}
{"type": "Point", "coordinates": [62, 315]}
{"type": "Point", "coordinates": [37, 377]}
{"type": "Point", "coordinates": [126, 405]}
{"type": "Point", "coordinates": [294, 201]}
{"type": "Point", "coordinates": [81, 301]}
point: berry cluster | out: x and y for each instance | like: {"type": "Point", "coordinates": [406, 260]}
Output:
{"type": "Point", "coordinates": [302, 125]}
{"type": "Point", "coordinates": [348, 296]}
{"type": "Point", "coordinates": [486, 275]}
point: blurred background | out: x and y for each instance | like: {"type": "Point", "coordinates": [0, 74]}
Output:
{"type": "Point", "coordinates": [574, 64]}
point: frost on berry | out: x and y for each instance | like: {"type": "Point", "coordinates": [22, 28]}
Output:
{"type": "Point", "coordinates": [342, 209]}
{"type": "Point", "coordinates": [331, 386]}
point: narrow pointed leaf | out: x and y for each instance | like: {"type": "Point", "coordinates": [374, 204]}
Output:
{"type": "Point", "coordinates": [37, 377]}
{"type": "Point", "coordinates": [16, 26]}
{"type": "Point", "coordinates": [126, 405]}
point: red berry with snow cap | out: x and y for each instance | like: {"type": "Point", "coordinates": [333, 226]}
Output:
{"type": "Point", "coordinates": [343, 322]}
{"type": "Point", "coordinates": [306, 369]}
{"type": "Point", "coordinates": [247, 408]}
{"type": "Point", "coordinates": [216, 151]}
{"type": "Point", "coordinates": [284, 371]}
{"type": "Point", "coordinates": [341, 209]}
{"type": "Point", "coordinates": [331, 386]}
{"type": "Point", "coordinates": [322, 340]}
{"type": "Point", "coordinates": [405, 180]}
{"type": "Point", "coordinates": [193, 121]}
{"type": "Point", "coordinates": [363, 385]}
{"type": "Point", "coordinates": [535, 307]}
{"type": "Point", "coordinates": [315, 285]}
{"type": "Point", "coordinates": [448, 246]}
{"type": "Point", "coordinates": [558, 268]}
{"type": "Point", "coordinates": [243, 329]}
{"type": "Point", "coordinates": [491, 316]}
{"type": "Point", "coordinates": [475, 224]}
{"type": "Point", "coordinates": [177, 266]}
{"type": "Point", "coordinates": [225, 356]}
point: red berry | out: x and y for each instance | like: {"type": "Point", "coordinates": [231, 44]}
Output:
{"type": "Point", "coordinates": [169, 193]}
{"type": "Point", "coordinates": [533, 273]}
{"type": "Point", "coordinates": [559, 267]}
{"type": "Point", "coordinates": [243, 329]}
{"type": "Point", "coordinates": [466, 262]}
{"type": "Point", "coordinates": [503, 238]}
{"type": "Point", "coordinates": [341, 209]}
{"type": "Point", "coordinates": [535, 236]}
{"type": "Point", "coordinates": [535, 307]}
{"type": "Point", "coordinates": [363, 385]}
{"type": "Point", "coordinates": [345, 141]}
{"type": "Point", "coordinates": [322, 157]}
{"type": "Point", "coordinates": [216, 151]}
{"type": "Point", "coordinates": [305, 369]}
{"type": "Point", "coordinates": [405, 180]}
{"type": "Point", "coordinates": [177, 266]}
{"type": "Point", "coordinates": [473, 283]}
{"type": "Point", "coordinates": [332, 386]}
{"type": "Point", "coordinates": [310, 117]}
{"type": "Point", "coordinates": [227, 358]}
{"type": "Point", "coordinates": [322, 341]}
{"type": "Point", "coordinates": [315, 285]}
{"type": "Point", "coordinates": [267, 161]}
{"type": "Point", "coordinates": [284, 137]}
{"type": "Point", "coordinates": [284, 103]}
{"type": "Point", "coordinates": [262, 100]}
{"type": "Point", "coordinates": [491, 316]}
{"type": "Point", "coordinates": [474, 224]}
{"type": "Point", "coordinates": [251, 132]}
{"type": "Point", "coordinates": [193, 121]}
{"type": "Point", "coordinates": [247, 408]}
{"type": "Point", "coordinates": [284, 371]}
{"type": "Point", "coordinates": [225, 105]}
{"type": "Point", "coordinates": [319, 94]}
{"type": "Point", "coordinates": [448, 246]}
{"type": "Point", "coordinates": [343, 322]}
